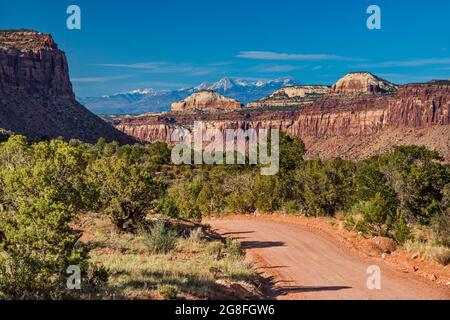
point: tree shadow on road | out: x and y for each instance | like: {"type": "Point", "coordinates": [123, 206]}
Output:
{"type": "Point", "coordinates": [301, 289]}
{"type": "Point", "coordinates": [261, 244]}
{"type": "Point", "coordinates": [274, 288]}
{"type": "Point", "coordinates": [237, 232]}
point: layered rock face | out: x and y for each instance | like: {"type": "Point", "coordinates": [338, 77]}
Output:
{"type": "Point", "coordinates": [36, 97]}
{"type": "Point", "coordinates": [301, 91]}
{"type": "Point", "coordinates": [352, 84]}
{"type": "Point", "coordinates": [333, 125]}
{"type": "Point", "coordinates": [150, 128]}
{"type": "Point", "coordinates": [206, 100]}
{"type": "Point", "coordinates": [415, 106]}
{"type": "Point", "coordinates": [32, 63]}
{"type": "Point", "coordinates": [362, 82]}
{"type": "Point", "coordinates": [421, 105]}
{"type": "Point", "coordinates": [291, 96]}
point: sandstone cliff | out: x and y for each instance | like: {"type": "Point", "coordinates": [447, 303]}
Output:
{"type": "Point", "coordinates": [362, 83]}
{"type": "Point", "coordinates": [36, 97]}
{"type": "Point", "coordinates": [333, 125]}
{"type": "Point", "coordinates": [206, 100]}
{"type": "Point", "coordinates": [291, 96]}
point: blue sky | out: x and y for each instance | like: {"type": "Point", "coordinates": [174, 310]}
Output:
{"type": "Point", "coordinates": [170, 44]}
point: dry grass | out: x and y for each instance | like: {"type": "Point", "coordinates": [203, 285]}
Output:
{"type": "Point", "coordinates": [190, 269]}
{"type": "Point", "coordinates": [438, 253]}
{"type": "Point", "coordinates": [422, 233]}
{"type": "Point", "coordinates": [424, 242]}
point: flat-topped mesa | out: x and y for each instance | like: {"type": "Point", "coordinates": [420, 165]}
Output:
{"type": "Point", "coordinates": [26, 40]}
{"type": "Point", "coordinates": [349, 126]}
{"type": "Point", "coordinates": [206, 100]}
{"type": "Point", "coordinates": [31, 63]}
{"type": "Point", "coordinates": [36, 96]}
{"type": "Point", "coordinates": [363, 83]}
{"type": "Point", "coordinates": [300, 91]}
{"type": "Point", "coordinates": [292, 96]}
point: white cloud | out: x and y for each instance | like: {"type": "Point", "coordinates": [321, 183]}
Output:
{"type": "Point", "coordinates": [275, 68]}
{"type": "Point", "coordinates": [162, 67]}
{"type": "Point", "coordinates": [268, 55]}
{"type": "Point", "coordinates": [160, 84]}
{"type": "Point", "coordinates": [100, 79]}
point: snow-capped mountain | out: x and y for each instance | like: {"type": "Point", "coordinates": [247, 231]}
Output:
{"type": "Point", "coordinates": [151, 100]}
{"type": "Point", "coordinates": [229, 85]}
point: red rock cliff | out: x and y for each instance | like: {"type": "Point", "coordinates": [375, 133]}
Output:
{"type": "Point", "coordinates": [335, 125]}
{"type": "Point", "coordinates": [36, 97]}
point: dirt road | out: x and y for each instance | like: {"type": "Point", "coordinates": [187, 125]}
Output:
{"type": "Point", "coordinates": [304, 265]}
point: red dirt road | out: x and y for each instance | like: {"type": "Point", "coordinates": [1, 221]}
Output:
{"type": "Point", "coordinates": [304, 265]}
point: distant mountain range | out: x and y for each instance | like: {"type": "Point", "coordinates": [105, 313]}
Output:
{"type": "Point", "coordinates": [150, 100]}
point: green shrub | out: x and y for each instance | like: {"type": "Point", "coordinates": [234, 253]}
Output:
{"type": "Point", "coordinates": [360, 207]}
{"type": "Point", "coordinates": [402, 232]}
{"type": "Point", "coordinates": [327, 186]}
{"type": "Point", "coordinates": [440, 224]}
{"type": "Point", "coordinates": [211, 199]}
{"type": "Point", "coordinates": [40, 188]}
{"type": "Point", "coordinates": [167, 206]}
{"type": "Point", "coordinates": [168, 292]}
{"type": "Point", "coordinates": [215, 249]}
{"type": "Point", "coordinates": [292, 151]}
{"type": "Point", "coordinates": [377, 215]}
{"type": "Point", "coordinates": [234, 249]}
{"type": "Point", "coordinates": [266, 193]}
{"type": "Point", "coordinates": [37, 254]}
{"type": "Point", "coordinates": [160, 239]}
{"type": "Point", "coordinates": [291, 207]}
{"type": "Point", "coordinates": [418, 181]}
{"type": "Point", "coordinates": [357, 223]}
{"type": "Point", "coordinates": [241, 203]}
{"type": "Point", "coordinates": [185, 195]}
{"type": "Point", "coordinates": [125, 191]}
{"type": "Point", "coordinates": [98, 276]}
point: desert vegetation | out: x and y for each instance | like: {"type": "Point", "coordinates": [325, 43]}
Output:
{"type": "Point", "coordinates": [73, 204]}
{"type": "Point", "coordinates": [131, 221]}
{"type": "Point", "coordinates": [403, 194]}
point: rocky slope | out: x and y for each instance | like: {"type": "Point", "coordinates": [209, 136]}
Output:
{"type": "Point", "coordinates": [36, 97]}
{"type": "Point", "coordinates": [206, 100]}
{"type": "Point", "coordinates": [351, 126]}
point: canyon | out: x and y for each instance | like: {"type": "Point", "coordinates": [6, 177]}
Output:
{"type": "Point", "coordinates": [360, 116]}
{"type": "Point", "coordinates": [36, 96]}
